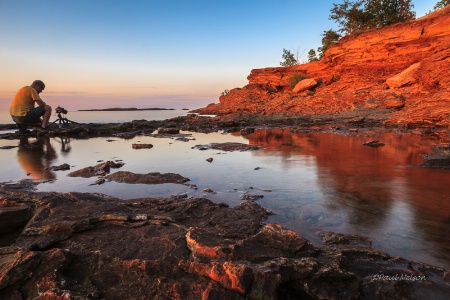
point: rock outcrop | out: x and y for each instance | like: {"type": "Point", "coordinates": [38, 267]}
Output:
{"type": "Point", "coordinates": [402, 68]}
{"type": "Point", "coordinates": [89, 246]}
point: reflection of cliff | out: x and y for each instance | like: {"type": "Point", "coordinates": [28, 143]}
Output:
{"type": "Point", "coordinates": [35, 157]}
{"type": "Point", "coordinates": [347, 166]}
{"type": "Point", "coordinates": [369, 186]}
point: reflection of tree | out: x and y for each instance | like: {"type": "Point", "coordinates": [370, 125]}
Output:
{"type": "Point", "coordinates": [35, 157]}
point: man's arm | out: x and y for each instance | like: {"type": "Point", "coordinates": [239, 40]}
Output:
{"type": "Point", "coordinates": [40, 103]}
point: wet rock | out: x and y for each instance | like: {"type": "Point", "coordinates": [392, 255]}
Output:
{"type": "Point", "coordinates": [149, 178]}
{"type": "Point", "coordinates": [142, 146]}
{"type": "Point", "coordinates": [330, 238]}
{"type": "Point", "coordinates": [98, 170]}
{"type": "Point", "coordinates": [227, 147]}
{"type": "Point", "coordinates": [186, 249]}
{"type": "Point", "coordinates": [374, 144]}
{"type": "Point", "coordinates": [168, 130]}
{"type": "Point", "coordinates": [439, 158]}
{"type": "Point", "coordinates": [247, 130]}
{"type": "Point", "coordinates": [180, 196]}
{"type": "Point", "coordinates": [250, 197]}
{"type": "Point", "coordinates": [62, 167]}
{"type": "Point", "coordinates": [183, 139]}
{"type": "Point", "coordinates": [99, 181]}
{"type": "Point", "coordinates": [23, 185]}
{"type": "Point", "coordinates": [8, 147]}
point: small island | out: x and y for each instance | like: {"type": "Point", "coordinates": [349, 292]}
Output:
{"type": "Point", "coordinates": [125, 109]}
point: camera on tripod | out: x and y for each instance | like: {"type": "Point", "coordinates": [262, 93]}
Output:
{"type": "Point", "coordinates": [61, 110]}
{"type": "Point", "coordinates": [62, 121]}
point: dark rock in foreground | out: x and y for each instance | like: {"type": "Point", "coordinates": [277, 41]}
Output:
{"type": "Point", "coordinates": [89, 246]}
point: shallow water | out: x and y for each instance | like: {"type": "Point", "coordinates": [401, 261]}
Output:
{"type": "Point", "coordinates": [312, 182]}
{"type": "Point", "coordinates": [108, 116]}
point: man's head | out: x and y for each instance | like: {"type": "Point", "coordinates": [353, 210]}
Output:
{"type": "Point", "coordinates": [38, 85]}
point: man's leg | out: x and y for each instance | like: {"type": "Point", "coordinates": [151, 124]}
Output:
{"type": "Point", "coordinates": [35, 114]}
{"type": "Point", "coordinates": [21, 123]}
{"type": "Point", "coordinates": [46, 116]}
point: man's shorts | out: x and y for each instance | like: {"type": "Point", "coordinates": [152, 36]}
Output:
{"type": "Point", "coordinates": [33, 116]}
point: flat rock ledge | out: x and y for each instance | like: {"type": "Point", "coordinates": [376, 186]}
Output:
{"type": "Point", "coordinates": [92, 246]}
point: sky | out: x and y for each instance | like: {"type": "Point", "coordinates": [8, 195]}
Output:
{"type": "Point", "coordinates": [154, 53]}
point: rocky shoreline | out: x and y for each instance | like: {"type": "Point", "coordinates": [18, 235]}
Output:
{"type": "Point", "coordinates": [91, 246]}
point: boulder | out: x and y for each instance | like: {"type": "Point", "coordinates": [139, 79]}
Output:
{"type": "Point", "coordinates": [405, 77]}
{"type": "Point", "coordinates": [304, 85]}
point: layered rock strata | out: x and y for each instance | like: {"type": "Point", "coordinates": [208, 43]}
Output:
{"type": "Point", "coordinates": [403, 68]}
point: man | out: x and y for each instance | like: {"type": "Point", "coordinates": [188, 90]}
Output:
{"type": "Point", "coordinates": [23, 110]}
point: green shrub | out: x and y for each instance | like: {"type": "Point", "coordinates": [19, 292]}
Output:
{"type": "Point", "coordinates": [296, 78]}
{"type": "Point", "coordinates": [336, 77]}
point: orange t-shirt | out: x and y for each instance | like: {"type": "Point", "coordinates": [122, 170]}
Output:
{"type": "Point", "coordinates": [23, 101]}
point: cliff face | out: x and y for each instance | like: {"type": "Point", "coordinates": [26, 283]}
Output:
{"type": "Point", "coordinates": [404, 68]}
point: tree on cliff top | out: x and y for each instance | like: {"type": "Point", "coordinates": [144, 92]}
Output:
{"type": "Point", "coordinates": [441, 4]}
{"type": "Point", "coordinates": [312, 56]}
{"type": "Point", "coordinates": [329, 38]}
{"type": "Point", "coordinates": [289, 59]}
{"type": "Point", "coordinates": [354, 16]}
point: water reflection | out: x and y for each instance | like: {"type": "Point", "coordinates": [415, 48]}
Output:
{"type": "Point", "coordinates": [35, 156]}
{"type": "Point", "coordinates": [312, 182]}
{"type": "Point", "coordinates": [377, 192]}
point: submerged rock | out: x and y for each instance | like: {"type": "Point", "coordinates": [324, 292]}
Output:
{"type": "Point", "coordinates": [142, 146]}
{"type": "Point", "coordinates": [62, 167]}
{"type": "Point", "coordinates": [227, 147]}
{"type": "Point", "coordinates": [439, 158]}
{"type": "Point", "coordinates": [374, 144]}
{"type": "Point", "coordinates": [149, 178]}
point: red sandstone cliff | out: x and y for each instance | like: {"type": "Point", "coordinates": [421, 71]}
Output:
{"type": "Point", "coordinates": [405, 68]}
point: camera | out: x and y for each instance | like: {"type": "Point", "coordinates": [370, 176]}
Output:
{"type": "Point", "coordinates": [61, 110]}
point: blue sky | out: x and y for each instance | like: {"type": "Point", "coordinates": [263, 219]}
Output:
{"type": "Point", "coordinates": [167, 53]}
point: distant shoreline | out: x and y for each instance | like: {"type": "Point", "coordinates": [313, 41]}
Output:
{"type": "Point", "coordinates": [128, 109]}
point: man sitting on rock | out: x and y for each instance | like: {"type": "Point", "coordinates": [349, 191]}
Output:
{"type": "Point", "coordinates": [23, 110]}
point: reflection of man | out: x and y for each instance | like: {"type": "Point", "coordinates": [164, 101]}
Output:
{"type": "Point", "coordinates": [22, 108]}
{"type": "Point", "coordinates": [34, 159]}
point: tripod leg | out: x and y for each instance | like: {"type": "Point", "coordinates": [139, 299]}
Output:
{"type": "Point", "coordinates": [48, 125]}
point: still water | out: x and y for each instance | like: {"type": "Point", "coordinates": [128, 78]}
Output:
{"type": "Point", "coordinates": [109, 116]}
{"type": "Point", "coordinates": [312, 182]}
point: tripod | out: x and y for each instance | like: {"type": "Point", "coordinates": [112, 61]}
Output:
{"type": "Point", "coordinates": [61, 121]}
